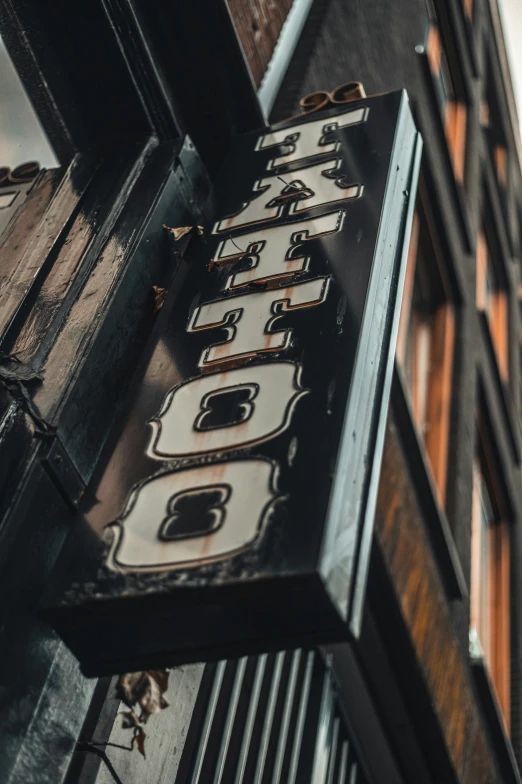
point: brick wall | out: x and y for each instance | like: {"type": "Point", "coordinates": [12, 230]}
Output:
{"type": "Point", "coordinates": [258, 24]}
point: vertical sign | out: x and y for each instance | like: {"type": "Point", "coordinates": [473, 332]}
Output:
{"type": "Point", "coordinates": [233, 512]}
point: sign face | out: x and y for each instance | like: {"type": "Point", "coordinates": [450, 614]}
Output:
{"type": "Point", "coordinates": [234, 511]}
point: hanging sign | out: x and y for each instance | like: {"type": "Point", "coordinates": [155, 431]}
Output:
{"type": "Point", "coordinates": [234, 511]}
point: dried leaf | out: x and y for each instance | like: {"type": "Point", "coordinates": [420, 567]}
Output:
{"type": "Point", "coordinates": [182, 231]}
{"type": "Point", "coordinates": [179, 232]}
{"type": "Point", "coordinates": [129, 719]}
{"type": "Point", "coordinates": [162, 679]}
{"type": "Point", "coordinates": [13, 369]}
{"type": "Point", "coordinates": [159, 297]}
{"type": "Point", "coordinates": [140, 741]}
{"type": "Point", "coordinates": [146, 689]}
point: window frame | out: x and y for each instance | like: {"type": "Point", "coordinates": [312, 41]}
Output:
{"type": "Point", "coordinates": [497, 649]}
{"type": "Point", "coordinates": [435, 438]}
{"type": "Point", "coordinates": [496, 315]}
{"type": "Point", "coordinates": [453, 103]}
{"type": "Point", "coordinates": [495, 133]}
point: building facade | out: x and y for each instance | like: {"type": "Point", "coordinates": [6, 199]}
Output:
{"type": "Point", "coordinates": [139, 103]}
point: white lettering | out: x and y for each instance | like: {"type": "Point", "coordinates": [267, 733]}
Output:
{"type": "Point", "coordinates": [307, 139]}
{"type": "Point", "coordinates": [185, 425]}
{"type": "Point", "coordinates": [305, 188]}
{"type": "Point", "coordinates": [194, 516]}
{"type": "Point", "coordinates": [276, 253]}
{"type": "Point", "coordinates": [249, 320]}
{"type": "Point", "coordinates": [191, 517]}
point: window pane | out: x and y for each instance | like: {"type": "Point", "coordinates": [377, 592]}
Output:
{"type": "Point", "coordinates": [446, 82]}
{"type": "Point", "coordinates": [492, 299]}
{"type": "Point", "coordinates": [490, 606]}
{"type": "Point", "coordinates": [485, 558]}
{"type": "Point", "coordinates": [489, 285]}
{"type": "Point", "coordinates": [425, 348]}
{"type": "Point", "coordinates": [480, 605]}
{"type": "Point", "coordinates": [422, 364]}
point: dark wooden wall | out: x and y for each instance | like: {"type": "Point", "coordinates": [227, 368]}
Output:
{"type": "Point", "coordinates": [409, 561]}
{"type": "Point", "coordinates": [258, 24]}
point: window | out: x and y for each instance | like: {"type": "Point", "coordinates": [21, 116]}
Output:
{"type": "Point", "coordinates": [468, 8]}
{"type": "Point", "coordinates": [490, 576]}
{"type": "Point", "coordinates": [425, 347]}
{"type": "Point", "coordinates": [492, 300]}
{"type": "Point", "coordinates": [500, 161]}
{"type": "Point", "coordinates": [452, 107]}
{"type": "Point", "coordinates": [490, 119]}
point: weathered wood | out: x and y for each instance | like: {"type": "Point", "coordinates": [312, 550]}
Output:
{"type": "Point", "coordinates": [406, 551]}
{"type": "Point", "coordinates": [35, 509]}
{"type": "Point", "coordinates": [75, 254]}
{"type": "Point", "coordinates": [31, 196]}
{"type": "Point", "coordinates": [25, 253]}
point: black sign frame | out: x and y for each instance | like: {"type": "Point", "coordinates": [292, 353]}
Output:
{"type": "Point", "coordinates": [301, 579]}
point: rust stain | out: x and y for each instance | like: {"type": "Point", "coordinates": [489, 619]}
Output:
{"type": "Point", "coordinates": [268, 341]}
{"type": "Point", "coordinates": [217, 471]}
{"type": "Point", "coordinates": [228, 363]}
{"type": "Point", "coordinates": [205, 545]}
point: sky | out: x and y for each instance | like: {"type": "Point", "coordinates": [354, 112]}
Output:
{"type": "Point", "coordinates": [21, 135]}
{"type": "Point", "coordinates": [511, 13]}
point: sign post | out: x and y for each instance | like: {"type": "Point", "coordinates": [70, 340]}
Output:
{"type": "Point", "coordinates": [233, 512]}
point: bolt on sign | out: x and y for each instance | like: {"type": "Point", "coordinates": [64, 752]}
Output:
{"type": "Point", "coordinates": [233, 513]}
